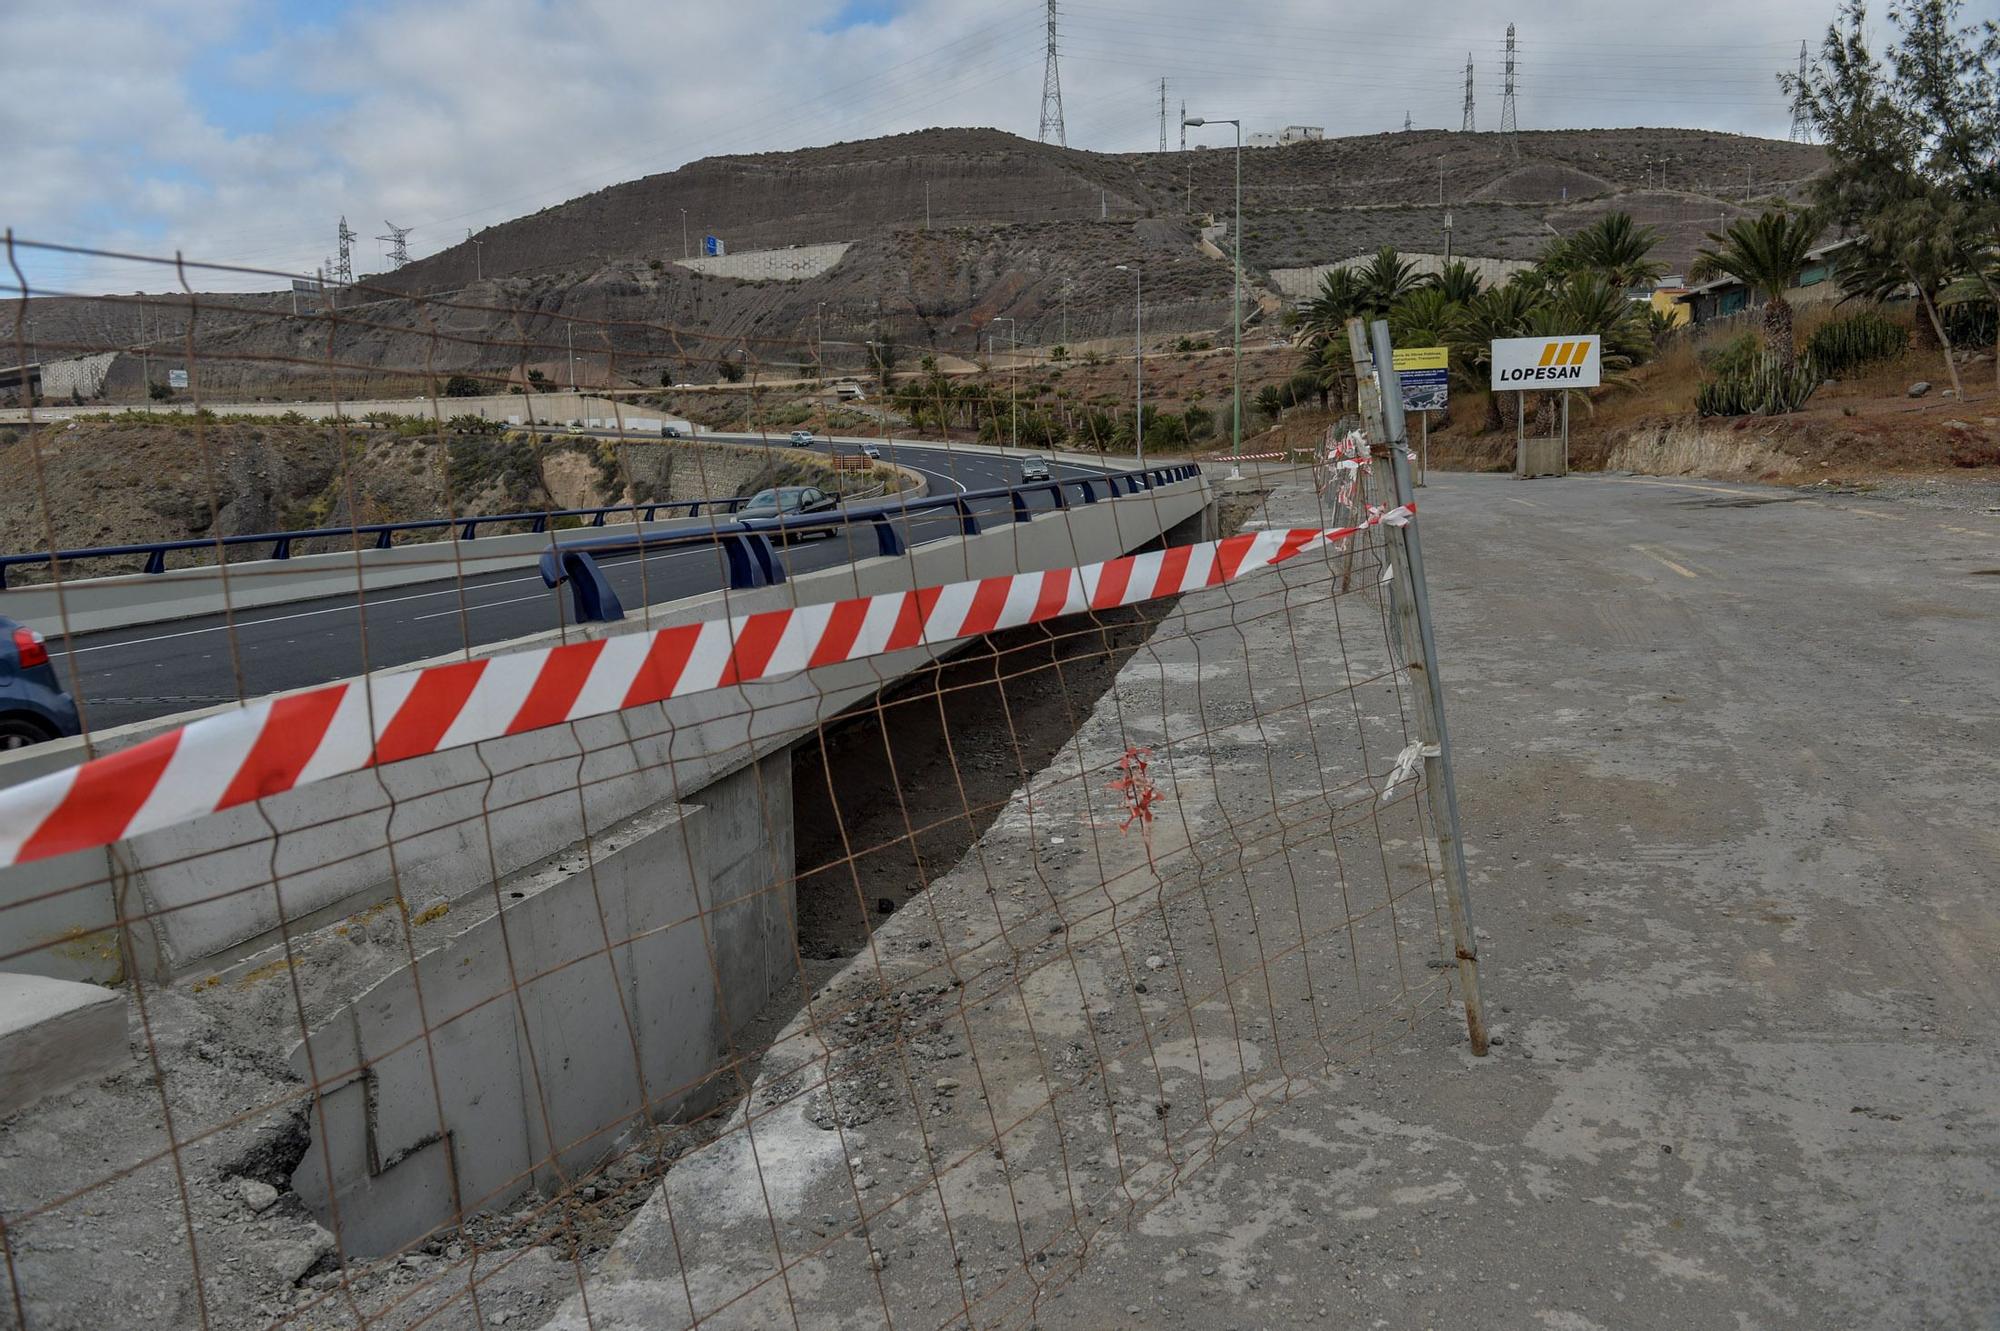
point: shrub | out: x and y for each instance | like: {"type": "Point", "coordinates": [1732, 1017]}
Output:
{"type": "Point", "coordinates": [1734, 358]}
{"type": "Point", "coordinates": [1766, 388]}
{"type": "Point", "coordinates": [1200, 422]}
{"type": "Point", "coordinates": [463, 385]}
{"type": "Point", "coordinates": [1843, 346]}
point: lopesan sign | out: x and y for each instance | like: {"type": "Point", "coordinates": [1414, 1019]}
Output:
{"type": "Point", "coordinates": [1547, 362]}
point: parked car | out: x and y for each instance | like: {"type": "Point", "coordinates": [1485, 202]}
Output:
{"type": "Point", "coordinates": [791, 501]}
{"type": "Point", "coordinates": [1034, 469]}
{"type": "Point", "coordinates": [33, 705]}
{"type": "Point", "coordinates": [804, 437]}
{"type": "Point", "coordinates": [870, 451]}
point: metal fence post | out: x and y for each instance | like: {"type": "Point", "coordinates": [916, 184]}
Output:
{"type": "Point", "coordinates": [1410, 602]}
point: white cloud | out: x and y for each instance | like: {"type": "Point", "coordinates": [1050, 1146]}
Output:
{"type": "Point", "coordinates": [448, 114]}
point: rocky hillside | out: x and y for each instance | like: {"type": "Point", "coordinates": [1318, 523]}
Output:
{"type": "Point", "coordinates": [1023, 241]}
{"type": "Point", "coordinates": [120, 482]}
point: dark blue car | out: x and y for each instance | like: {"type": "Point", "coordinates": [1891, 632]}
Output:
{"type": "Point", "coordinates": [33, 706]}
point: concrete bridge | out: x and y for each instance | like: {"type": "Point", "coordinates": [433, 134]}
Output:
{"type": "Point", "coordinates": [454, 1075]}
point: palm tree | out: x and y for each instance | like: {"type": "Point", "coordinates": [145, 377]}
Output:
{"type": "Point", "coordinates": [1325, 316]}
{"type": "Point", "coordinates": [1384, 280]}
{"type": "Point", "coordinates": [1500, 312]}
{"type": "Point", "coordinates": [1427, 317]}
{"type": "Point", "coordinates": [1766, 254]}
{"type": "Point", "coordinates": [1328, 365]}
{"type": "Point", "coordinates": [1618, 249]}
{"type": "Point", "coordinates": [1458, 282]}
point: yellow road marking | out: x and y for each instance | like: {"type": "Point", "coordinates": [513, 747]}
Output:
{"type": "Point", "coordinates": [1681, 569]}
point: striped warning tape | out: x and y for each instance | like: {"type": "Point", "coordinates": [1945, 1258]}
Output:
{"type": "Point", "coordinates": [276, 744]}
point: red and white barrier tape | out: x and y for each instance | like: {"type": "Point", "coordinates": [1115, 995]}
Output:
{"type": "Point", "coordinates": [276, 744]}
{"type": "Point", "coordinates": [1244, 457]}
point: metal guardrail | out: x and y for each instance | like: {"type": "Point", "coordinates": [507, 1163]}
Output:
{"type": "Point", "coordinates": [156, 552]}
{"type": "Point", "coordinates": [753, 560]}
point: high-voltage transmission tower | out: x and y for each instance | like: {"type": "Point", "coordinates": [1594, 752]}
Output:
{"type": "Point", "coordinates": [1408, 124]}
{"type": "Point", "coordinates": [399, 243]}
{"type": "Point", "coordinates": [1163, 115]}
{"type": "Point", "coordinates": [343, 268]}
{"type": "Point", "coordinates": [1507, 121]}
{"type": "Point", "coordinates": [1801, 123]}
{"type": "Point", "coordinates": [1052, 122]}
{"type": "Point", "coordinates": [1471, 122]}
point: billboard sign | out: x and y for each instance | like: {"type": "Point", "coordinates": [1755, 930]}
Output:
{"type": "Point", "coordinates": [1522, 364]}
{"type": "Point", "coordinates": [712, 247]}
{"type": "Point", "coordinates": [177, 378]}
{"type": "Point", "coordinates": [305, 284]}
{"type": "Point", "coordinates": [1425, 373]}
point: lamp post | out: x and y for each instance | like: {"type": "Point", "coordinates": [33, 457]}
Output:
{"type": "Point", "coordinates": [684, 233]}
{"type": "Point", "coordinates": [1013, 403]}
{"type": "Point", "coordinates": [1235, 302]}
{"type": "Point", "coordinates": [1138, 362]}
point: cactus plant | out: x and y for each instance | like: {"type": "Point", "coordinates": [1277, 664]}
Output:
{"type": "Point", "coordinates": [1843, 346]}
{"type": "Point", "coordinates": [1767, 388]}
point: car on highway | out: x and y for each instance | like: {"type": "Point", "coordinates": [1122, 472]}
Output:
{"type": "Point", "coordinates": [791, 501]}
{"type": "Point", "coordinates": [870, 451]}
{"type": "Point", "coordinates": [1034, 469]}
{"type": "Point", "coordinates": [33, 705]}
{"type": "Point", "coordinates": [802, 437]}
{"type": "Point", "coordinates": [671, 432]}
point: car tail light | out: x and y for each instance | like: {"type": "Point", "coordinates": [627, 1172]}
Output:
{"type": "Point", "coordinates": [29, 648]}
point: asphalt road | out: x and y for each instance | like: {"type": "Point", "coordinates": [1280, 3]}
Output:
{"type": "Point", "coordinates": [127, 675]}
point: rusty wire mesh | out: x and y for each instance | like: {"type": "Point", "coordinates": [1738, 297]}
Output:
{"type": "Point", "coordinates": [862, 998]}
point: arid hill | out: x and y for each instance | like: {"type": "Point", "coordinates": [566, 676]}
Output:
{"type": "Point", "coordinates": [1023, 240]}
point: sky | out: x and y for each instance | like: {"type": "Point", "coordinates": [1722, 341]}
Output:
{"type": "Point", "coordinates": [239, 131]}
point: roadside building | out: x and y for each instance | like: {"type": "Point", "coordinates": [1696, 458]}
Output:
{"type": "Point", "coordinates": [1726, 295]}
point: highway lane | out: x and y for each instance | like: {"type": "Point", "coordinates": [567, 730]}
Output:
{"type": "Point", "coordinates": [126, 675]}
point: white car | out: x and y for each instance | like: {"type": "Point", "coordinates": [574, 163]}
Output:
{"type": "Point", "coordinates": [870, 451]}
{"type": "Point", "coordinates": [1034, 469]}
{"type": "Point", "coordinates": [802, 436]}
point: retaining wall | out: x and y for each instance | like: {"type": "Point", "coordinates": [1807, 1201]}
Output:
{"type": "Point", "coordinates": [795, 264]}
{"type": "Point", "coordinates": [1299, 284]}
{"type": "Point", "coordinates": [545, 1044]}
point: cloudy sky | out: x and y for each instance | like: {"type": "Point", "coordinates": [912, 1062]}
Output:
{"type": "Point", "coordinates": [240, 130]}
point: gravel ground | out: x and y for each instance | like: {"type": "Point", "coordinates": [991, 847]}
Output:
{"type": "Point", "coordinates": [1728, 855]}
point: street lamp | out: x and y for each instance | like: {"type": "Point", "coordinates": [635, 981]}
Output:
{"type": "Point", "coordinates": [1138, 362]}
{"type": "Point", "coordinates": [1013, 357]}
{"type": "Point", "coordinates": [684, 233]}
{"type": "Point", "coordinates": [1235, 300]}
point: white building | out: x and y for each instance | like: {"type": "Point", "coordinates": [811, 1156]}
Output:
{"type": "Point", "coordinates": [1302, 134]}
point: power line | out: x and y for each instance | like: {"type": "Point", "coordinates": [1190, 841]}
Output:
{"type": "Point", "coordinates": [1470, 123]}
{"type": "Point", "coordinates": [1052, 115]}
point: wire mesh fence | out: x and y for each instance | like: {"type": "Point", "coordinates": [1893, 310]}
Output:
{"type": "Point", "coordinates": [854, 941]}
